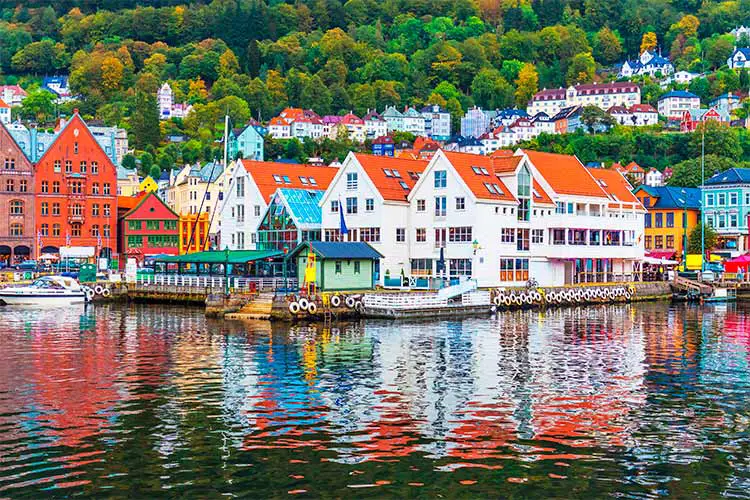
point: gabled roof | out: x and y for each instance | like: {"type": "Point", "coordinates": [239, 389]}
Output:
{"type": "Point", "coordinates": [483, 185]}
{"type": "Point", "coordinates": [267, 174]}
{"type": "Point", "coordinates": [278, 121]}
{"type": "Point", "coordinates": [540, 195]}
{"type": "Point", "coordinates": [338, 249]}
{"type": "Point", "coordinates": [565, 174]}
{"type": "Point", "coordinates": [140, 200]}
{"type": "Point", "coordinates": [3, 104]}
{"type": "Point", "coordinates": [129, 202]}
{"type": "Point", "coordinates": [391, 187]}
{"type": "Point", "coordinates": [634, 168]}
{"type": "Point", "coordinates": [745, 51]}
{"type": "Point", "coordinates": [672, 197]}
{"type": "Point", "coordinates": [372, 116]}
{"type": "Point", "coordinates": [642, 108]}
{"type": "Point", "coordinates": [618, 110]}
{"type": "Point", "coordinates": [614, 184]}
{"type": "Point", "coordinates": [731, 176]}
{"type": "Point", "coordinates": [303, 205]}
{"type": "Point", "coordinates": [678, 94]}
{"type": "Point", "coordinates": [566, 113]}
{"type": "Point", "coordinates": [501, 153]}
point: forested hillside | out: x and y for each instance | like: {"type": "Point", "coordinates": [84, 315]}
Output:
{"type": "Point", "coordinates": [252, 57]}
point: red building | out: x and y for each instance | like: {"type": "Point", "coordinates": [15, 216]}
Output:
{"type": "Point", "coordinates": [17, 230]}
{"type": "Point", "coordinates": [150, 227]}
{"type": "Point", "coordinates": [76, 192]}
{"type": "Point", "coordinates": [693, 117]}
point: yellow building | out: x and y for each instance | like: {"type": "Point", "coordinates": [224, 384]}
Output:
{"type": "Point", "coordinates": [148, 185]}
{"type": "Point", "coordinates": [193, 233]}
{"type": "Point", "coordinates": [673, 213]}
{"type": "Point", "coordinates": [199, 189]}
{"type": "Point", "coordinates": [128, 183]}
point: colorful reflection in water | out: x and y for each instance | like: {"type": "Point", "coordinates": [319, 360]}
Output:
{"type": "Point", "coordinates": [641, 401]}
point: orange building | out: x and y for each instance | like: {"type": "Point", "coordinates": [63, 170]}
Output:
{"type": "Point", "coordinates": [673, 213]}
{"type": "Point", "coordinates": [193, 233]}
{"type": "Point", "coordinates": [76, 192]}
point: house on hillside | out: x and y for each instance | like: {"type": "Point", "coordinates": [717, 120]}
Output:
{"type": "Point", "coordinates": [647, 64]}
{"type": "Point", "coordinates": [740, 58]}
{"type": "Point", "coordinates": [693, 117]}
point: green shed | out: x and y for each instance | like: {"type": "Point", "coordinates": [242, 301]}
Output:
{"type": "Point", "coordinates": [338, 265]}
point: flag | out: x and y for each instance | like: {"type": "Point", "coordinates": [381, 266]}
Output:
{"type": "Point", "coordinates": [342, 222]}
{"type": "Point", "coordinates": [441, 261]}
{"type": "Point", "coordinates": [98, 240]}
{"type": "Point", "coordinates": [67, 239]}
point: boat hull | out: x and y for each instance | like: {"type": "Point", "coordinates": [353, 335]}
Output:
{"type": "Point", "coordinates": [28, 299]}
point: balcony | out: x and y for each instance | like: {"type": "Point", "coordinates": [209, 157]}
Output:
{"type": "Point", "coordinates": [76, 219]}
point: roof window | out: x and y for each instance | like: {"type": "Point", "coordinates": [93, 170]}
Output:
{"type": "Point", "coordinates": [404, 185]}
{"type": "Point", "coordinates": [277, 178]}
{"type": "Point", "coordinates": [387, 172]}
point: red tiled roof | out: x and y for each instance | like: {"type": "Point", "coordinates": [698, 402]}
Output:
{"type": "Point", "coordinates": [129, 202]}
{"type": "Point", "coordinates": [502, 152]}
{"type": "Point", "coordinates": [543, 196]}
{"type": "Point", "coordinates": [390, 188]}
{"type": "Point", "coordinates": [263, 172]}
{"type": "Point", "coordinates": [278, 120]}
{"type": "Point", "coordinates": [615, 185]}
{"type": "Point", "coordinates": [642, 108]}
{"type": "Point", "coordinates": [3, 104]}
{"type": "Point", "coordinates": [633, 167]}
{"type": "Point", "coordinates": [565, 174]}
{"type": "Point", "coordinates": [463, 163]}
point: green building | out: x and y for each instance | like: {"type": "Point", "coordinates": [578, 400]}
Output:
{"type": "Point", "coordinates": [338, 265]}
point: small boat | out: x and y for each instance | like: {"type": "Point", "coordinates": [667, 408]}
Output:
{"type": "Point", "coordinates": [46, 291]}
{"type": "Point", "coordinates": [722, 295]}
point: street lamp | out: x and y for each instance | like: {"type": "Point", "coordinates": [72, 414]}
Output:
{"type": "Point", "coordinates": [226, 271]}
{"type": "Point", "coordinates": [684, 230]}
{"type": "Point", "coordinates": [703, 181]}
{"type": "Point", "coordinates": [284, 271]}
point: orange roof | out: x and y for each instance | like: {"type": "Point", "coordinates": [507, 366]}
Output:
{"type": "Point", "coordinates": [278, 120]}
{"type": "Point", "coordinates": [502, 152]}
{"type": "Point", "coordinates": [483, 185]}
{"type": "Point", "coordinates": [408, 154]}
{"type": "Point", "coordinates": [403, 172]}
{"type": "Point", "coordinates": [542, 197]}
{"type": "Point", "coordinates": [269, 176]}
{"type": "Point", "coordinates": [292, 113]}
{"type": "Point", "coordinates": [565, 174]}
{"type": "Point", "coordinates": [129, 202]}
{"type": "Point", "coordinates": [3, 104]}
{"type": "Point", "coordinates": [420, 142]}
{"type": "Point", "coordinates": [634, 167]}
{"type": "Point", "coordinates": [615, 185]}
{"type": "Point", "coordinates": [504, 164]}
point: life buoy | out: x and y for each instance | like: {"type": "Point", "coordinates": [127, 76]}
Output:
{"type": "Point", "coordinates": [89, 294]}
{"type": "Point", "coordinates": [304, 304]}
{"type": "Point", "coordinates": [106, 292]}
{"type": "Point", "coordinates": [312, 308]}
{"type": "Point", "coordinates": [336, 301]}
{"type": "Point", "coordinates": [98, 289]}
{"type": "Point", "coordinates": [529, 298]}
{"type": "Point", "coordinates": [497, 300]}
{"type": "Point", "coordinates": [359, 307]}
{"type": "Point", "coordinates": [350, 302]}
{"type": "Point", "coordinates": [507, 300]}
{"type": "Point", "coordinates": [293, 307]}
{"type": "Point", "coordinates": [627, 296]}
{"type": "Point", "coordinates": [631, 289]}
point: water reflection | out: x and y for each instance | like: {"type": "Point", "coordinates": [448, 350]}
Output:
{"type": "Point", "coordinates": [646, 400]}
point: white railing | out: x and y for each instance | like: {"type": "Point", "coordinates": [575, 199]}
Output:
{"type": "Point", "coordinates": [456, 290]}
{"type": "Point", "coordinates": [403, 301]}
{"type": "Point", "coordinates": [236, 284]}
{"type": "Point", "coordinates": [476, 298]}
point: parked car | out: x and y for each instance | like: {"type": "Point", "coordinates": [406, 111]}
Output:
{"type": "Point", "coordinates": [27, 265]}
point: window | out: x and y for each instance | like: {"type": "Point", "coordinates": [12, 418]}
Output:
{"type": "Point", "coordinates": [152, 225]}
{"type": "Point", "coordinates": [170, 225]}
{"type": "Point", "coordinates": [646, 201]}
{"type": "Point", "coordinates": [106, 188]}
{"type": "Point", "coordinates": [370, 234]}
{"type": "Point", "coordinates": [522, 240]}
{"type": "Point", "coordinates": [611, 238]}
{"type": "Point", "coordinates": [659, 220]}
{"type": "Point", "coordinates": [459, 267]}
{"type": "Point", "coordinates": [55, 209]}
{"type": "Point", "coordinates": [560, 207]}
{"type": "Point", "coordinates": [95, 188]}
{"type": "Point", "coordinates": [647, 220]}
{"type": "Point", "coordinates": [558, 236]}
{"type": "Point", "coordinates": [94, 168]}
{"type": "Point", "coordinates": [10, 164]}
{"type": "Point", "coordinates": [440, 206]}
{"type": "Point", "coordinates": [256, 210]}
{"type": "Point", "coordinates": [733, 198]}
{"type": "Point", "coordinates": [400, 235]}
{"type": "Point", "coordinates": [16, 229]}
{"type": "Point", "coordinates": [240, 213]}
{"type": "Point", "coordinates": [647, 242]}
{"type": "Point", "coordinates": [722, 221]}
{"type": "Point", "coordinates": [594, 237]}
{"type": "Point", "coordinates": [95, 230]}
{"type": "Point", "coordinates": [23, 186]}
{"type": "Point", "coordinates": [537, 236]}
{"type": "Point", "coordinates": [45, 186]}
{"type": "Point", "coordinates": [56, 186]}
{"type": "Point", "coordinates": [732, 220]}
{"type": "Point", "coordinates": [522, 269]}
{"type": "Point", "coordinates": [106, 231]}
{"type": "Point", "coordinates": [441, 179]}
{"type": "Point", "coordinates": [369, 205]}
{"type": "Point", "coordinates": [506, 269]}
{"type": "Point", "coordinates": [571, 208]}
{"type": "Point", "coordinates": [44, 208]}
{"type": "Point", "coordinates": [68, 167]}
{"type": "Point", "coordinates": [459, 234]}
{"type": "Point", "coordinates": [357, 267]}
{"type": "Point", "coordinates": [351, 180]}
{"type": "Point", "coordinates": [722, 199]}
{"type": "Point", "coordinates": [460, 203]}
{"type": "Point", "coordinates": [55, 229]}
{"type": "Point", "coordinates": [10, 185]}
{"type": "Point", "coordinates": [670, 241]}
{"type": "Point", "coordinates": [75, 148]}
{"type": "Point", "coordinates": [83, 166]}
{"type": "Point", "coordinates": [659, 242]}
{"type": "Point", "coordinates": [16, 207]}
{"type": "Point", "coordinates": [524, 194]}
{"type": "Point", "coordinates": [277, 179]}
{"type": "Point", "coordinates": [44, 230]}
{"type": "Point", "coordinates": [240, 187]}
{"type": "Point", "coordinates": [338, 267]}
{"type": "Point", "coordinates": [95, 210]}
{"type": "Point", "coordinates": [421, 205]}
{"type": "Point", "coordinates": [440, 237]}
{"type": "Point", "coordinates": [710, 200]}
{"type": "Point", "coordinates": [106, 210]}
{"type": "Point", "coordinates": [351, 205]}
{"type": "Point", "coordinates": [134, 225]}
{"type": "Point", "coordinates": [286, 179]}
{"type": "Point", "coordinates": [421, 267]}
{"type": "Point", "coordinates": [75, 230]}
{"type": "Point", "coordinates": [334, 206]}
{"type": "Point", "coordinates": [135, 241]}
{"type": "Point", "coordinates": [331, 235]}
{"type": "Point", "coordinates": [421, 235]}
{"type": "Point", "coordinates": [508, 235]}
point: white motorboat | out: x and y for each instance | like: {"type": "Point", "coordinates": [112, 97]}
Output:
{"type": "Point", "coordinates": [47, 290]}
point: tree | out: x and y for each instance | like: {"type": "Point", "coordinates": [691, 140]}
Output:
{"type": "Point", "coordinates": [607, 46]}
{"type": "Point", "coordinates": [490, 90]}
{"type": "Point", "coordinates": [688, 173]}
{"type": "Point", "coordinates": [582, 69]}
{"type": "Point", "coordinates": [527, 84]}
{"type": "Point", "coordinates": [147, 161]}
{"type": "Point", "coordinates": [596, 119]}
{"type": "Point", "coordinates": [145, 120]}
{"type": "Point", "coordinates": [228, 64]}
{"type": "Point", "coordinates": [38, 105]}
{"type": "Point", "coordinates": [720, 140]}
{"type": "Point", "coordinates": [154, 172]}
{"type": "Point", "coordinates": [128, 162]}
{"type": "Point", "coordinates": [112, 73]}
{"type": "Point", "coordinates": [694, 239]}
{"type": "Point", "coordinates": [648, 41]}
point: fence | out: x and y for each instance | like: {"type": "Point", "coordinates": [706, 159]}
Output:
{"type": "Point", "coordinates": [217, 283]}
{"type": "Point", "coordinates": [411, 301]}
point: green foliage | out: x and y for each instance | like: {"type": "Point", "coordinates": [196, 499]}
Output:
{"type": "Point", "coordinates": [128, 162]}
{"type": "Point", "coordinates": [687, 173]}
{"type": "Point", "coordinates": [39, 105]}
{"type": "Point", "coordinates": [694, 238]}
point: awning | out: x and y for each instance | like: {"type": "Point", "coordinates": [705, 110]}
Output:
{"type": "Point", "coordinates": [221, 256]}
{"type": "Point", "coordinates": [77, 252]}
{"type": "Point", "coordinates": [659, 262]}
{"type": "Point", "coordinates": [661, 254]}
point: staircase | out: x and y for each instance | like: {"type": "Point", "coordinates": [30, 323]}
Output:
{"type": "Point", "coordinates": [686, 285]}
{"type": "Point", "coordinates": [456, 290]}
{"type": "Point", "coordinates": [258, 308]}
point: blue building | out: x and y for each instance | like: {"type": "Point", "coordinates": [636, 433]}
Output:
{"type": "Point", "coordinates": [247, 142]}
{"type": "Point", "coordinates": [726, 206]}
{"type": "Point", "coordinates": [383, 146]}
{"type": "Point", "coordinates": [437, 122]}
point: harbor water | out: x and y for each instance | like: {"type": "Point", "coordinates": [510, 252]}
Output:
{"type": "Point", "coordinates": [636, 401]}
